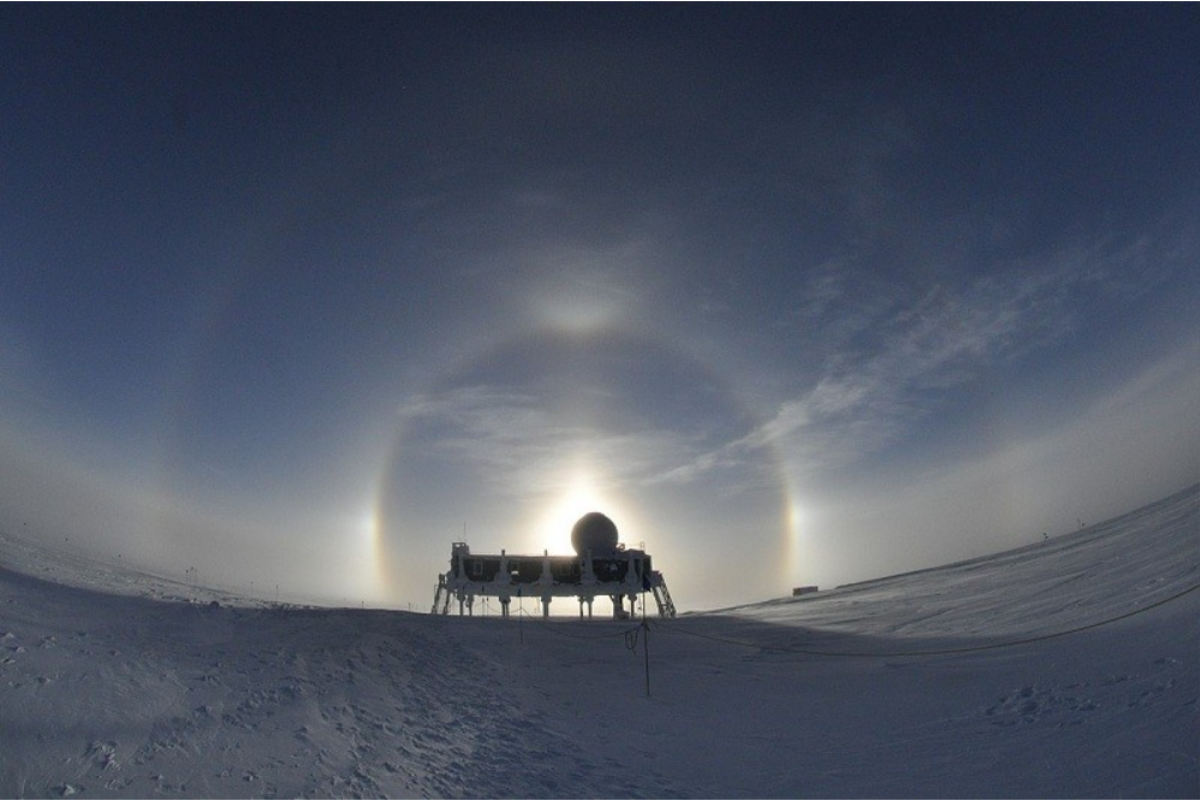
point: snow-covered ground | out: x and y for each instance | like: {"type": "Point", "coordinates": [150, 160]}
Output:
{"type": "Point", "coordinates": [114, 683]}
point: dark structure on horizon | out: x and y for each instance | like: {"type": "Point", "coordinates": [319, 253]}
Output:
{"type": "Point", "coordinates": [600, 567]}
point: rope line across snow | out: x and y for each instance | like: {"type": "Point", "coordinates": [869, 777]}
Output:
{"type": "Point", "coordinates": [936, 652]}
{"type": "Point", "coordinates": [671, 628]}
{"type": "Point", "coordinates": [557, 628]}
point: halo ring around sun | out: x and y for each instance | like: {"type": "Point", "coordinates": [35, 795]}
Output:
{"type": "Point", "coordinates": [567, 381]}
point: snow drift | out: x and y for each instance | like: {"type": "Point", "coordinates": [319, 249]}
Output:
{"type": "Point", "coordinates": [1069, 668]}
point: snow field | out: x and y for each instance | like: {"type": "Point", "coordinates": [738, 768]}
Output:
{"type": "Point", "coordinates": [128, 685]}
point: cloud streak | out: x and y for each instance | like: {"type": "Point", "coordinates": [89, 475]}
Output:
{"type": "Point", "coordinates": [891, 363]}
{"type": "Point", "coordinates": [521, 448]}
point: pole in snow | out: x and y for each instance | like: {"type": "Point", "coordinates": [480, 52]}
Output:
{"type": "Point", "coordinates": [646, 645]}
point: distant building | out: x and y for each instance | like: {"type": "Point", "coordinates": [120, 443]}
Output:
{"type": "Point", "coordinates": [600, 568]}
{"type": "Point", "coordinates": [801, 590]}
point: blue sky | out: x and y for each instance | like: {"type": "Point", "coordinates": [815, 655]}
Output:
{"type": "Point", "coordinates": [796, 294]}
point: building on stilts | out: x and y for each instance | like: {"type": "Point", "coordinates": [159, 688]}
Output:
{"type": "Point", "coordinates": [601, 567]}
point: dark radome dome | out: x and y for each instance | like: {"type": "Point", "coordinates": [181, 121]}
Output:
{"type": "Point", "coordinates": [594, 532]}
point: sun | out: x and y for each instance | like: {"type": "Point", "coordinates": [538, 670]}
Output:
{"type": "Point", "coordinates": [552, 530]}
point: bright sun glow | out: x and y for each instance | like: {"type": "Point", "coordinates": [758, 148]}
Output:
{"type": "Point", "coordinates": [553, 529]}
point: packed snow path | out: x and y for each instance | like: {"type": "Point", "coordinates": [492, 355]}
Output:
{"type": "Point", "coordinates": [115, 684]}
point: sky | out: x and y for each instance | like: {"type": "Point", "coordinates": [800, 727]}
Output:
{"type": "Point", "coordinates": [294, 297]}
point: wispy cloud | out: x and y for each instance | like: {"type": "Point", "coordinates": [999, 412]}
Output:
{"type": "Point", "coordinates": [889, 359]}
{"type": "Point", "coordinates": [522, 448]}
{"type": "Point", "coordinates": [891, 362]}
